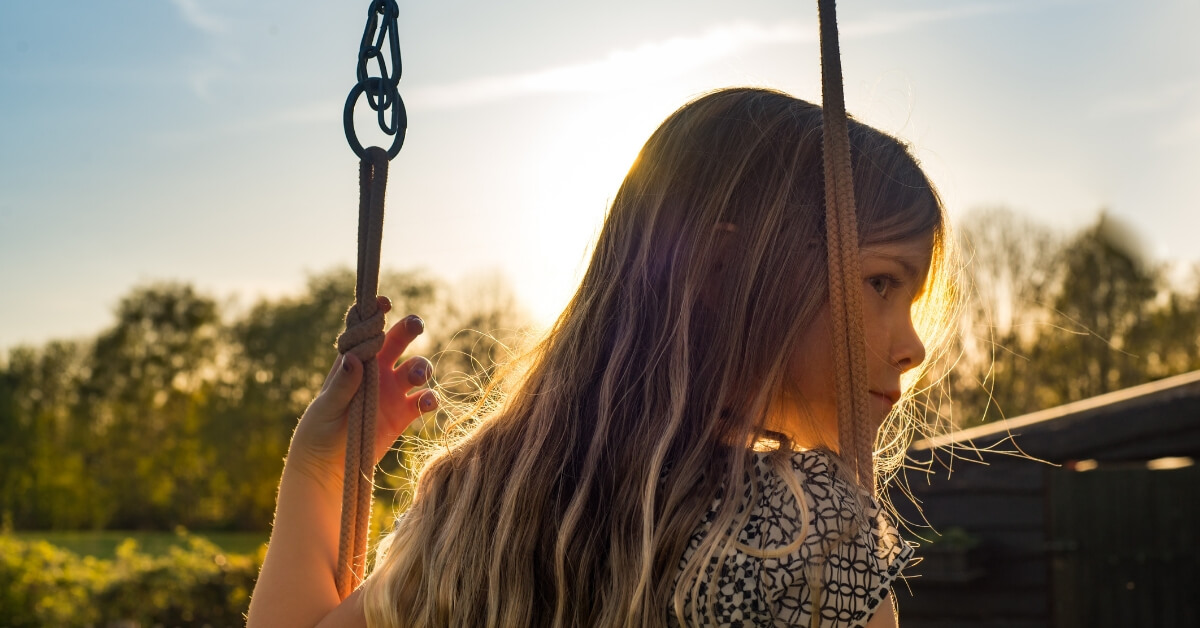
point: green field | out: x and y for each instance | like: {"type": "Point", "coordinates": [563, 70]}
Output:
{"type": "Point", "coordinates": [104, 544]}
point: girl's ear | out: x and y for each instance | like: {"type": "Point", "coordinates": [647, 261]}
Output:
{"type": "Point", "coordinates": [725, 235]}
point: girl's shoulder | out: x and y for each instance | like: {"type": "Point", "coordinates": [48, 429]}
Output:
{"type": "Point", "coordinates": [811, 538]}
{"type": "Point", "coordinates": [801, 500]}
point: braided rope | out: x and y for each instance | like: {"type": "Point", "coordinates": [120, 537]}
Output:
{"type": "Point", "coordinates": [856, 435]}
{"type": "Point", "coordinates": [364, 338]}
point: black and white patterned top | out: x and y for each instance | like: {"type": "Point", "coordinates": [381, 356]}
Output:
{"type": "Point", "coordinates": [852, 566]}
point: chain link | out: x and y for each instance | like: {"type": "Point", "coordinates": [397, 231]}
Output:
{"type": "Point", "coordinates": [380, 42]}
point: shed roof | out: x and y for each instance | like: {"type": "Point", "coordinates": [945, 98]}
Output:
{"type": "Point", "coordinates": [1160, 418]}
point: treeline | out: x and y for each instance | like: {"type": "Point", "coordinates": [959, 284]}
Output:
{"type": "Point", "coordinates": [1055, 318]}
{"type": "Point", "coordinates": [178, 415]}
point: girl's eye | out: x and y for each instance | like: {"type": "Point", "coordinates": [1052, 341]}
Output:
{"type": "Point", "coordinates": [881, 284]}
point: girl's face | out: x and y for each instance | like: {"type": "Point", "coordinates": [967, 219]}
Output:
{"type": "Point", "coordinates": [893, 276]}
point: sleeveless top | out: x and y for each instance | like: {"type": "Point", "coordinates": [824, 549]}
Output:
{"type": "Point", "coordinates": [849, 566]}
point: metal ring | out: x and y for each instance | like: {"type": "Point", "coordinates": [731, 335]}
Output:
{"type": "Point", "coordinates": [348, 118]}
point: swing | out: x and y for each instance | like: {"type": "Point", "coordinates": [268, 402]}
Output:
{"type": "Point", "coordinates": [364, 335]}
{"type": "Point", "coordinates": [365, 320]}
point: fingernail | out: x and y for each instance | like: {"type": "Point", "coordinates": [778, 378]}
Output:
{"type": "Point", "coordinates": [414, 324]}
{"type": "Point", "coordinates": [346, 364]}
{"type": "Point", "coordinates": [418, 374]}
{"type": "Point", "coordinates": [428, 402]}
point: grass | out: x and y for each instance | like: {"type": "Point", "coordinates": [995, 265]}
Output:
{"type": "Point", "coordinates": [104, 544]}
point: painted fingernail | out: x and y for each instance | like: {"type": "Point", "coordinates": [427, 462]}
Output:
{"type": "Point", "coordinates": [414, 324]}
{"type": "Point", "coordinates": [428, 402]}
{"type": "Point", "coordinates": [418, 374]}
{"type": "Point", "coordinates": [346, 365]}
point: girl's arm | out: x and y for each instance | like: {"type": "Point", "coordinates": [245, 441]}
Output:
{"type": "Point", "coordinates": [296, 587]}
{"type": "Point", "coordinates": [885, 617]}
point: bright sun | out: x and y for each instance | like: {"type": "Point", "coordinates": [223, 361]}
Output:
{"type": "Point", "coordinates": [579, 172]}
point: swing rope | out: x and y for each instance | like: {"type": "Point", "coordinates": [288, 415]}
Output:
{"type": "Point", "coordinates": [856, 436]}
{"type": "Point", "coordinates": [364, 338]}
{"type": "Point", "coordinates": [364, 335]}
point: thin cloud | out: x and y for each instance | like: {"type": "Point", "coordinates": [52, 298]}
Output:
{"type": "Point", "coordinates": [1144, 101]}
{"type": "Point", "coordinates": [200, 18]}
{"type": "Point", "coordinates": [655, 61]}
{"type": "Point", "coordinates": [650, 62]}
{"type": "Point", "coordinates": [207, 71]}
{"type": "Point", "coordinates": [647, 63]}
{"type": "Point", "coordinates": [202, 79]}
{"type": "Point", "coordinates": [1170, 107]}
{"type": "Point", "coordinates": [890, 22]}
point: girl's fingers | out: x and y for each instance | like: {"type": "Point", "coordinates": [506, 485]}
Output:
{"type": "Point", "coordinates": [339, 388]}
{"type": "Point", "coordinates": [414, 405]}
{"type": "Point", "coordinates": [337, 364]}
{"type": "Point", "coordinates": [413, 372]}
{"type": "Point", "coordinates": [385, 304]}
{"type": "Point", "coordinates": [399, 337]}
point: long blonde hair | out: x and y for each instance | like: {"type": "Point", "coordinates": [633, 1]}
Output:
{"type": "Point", "coordinates": [571, 501]}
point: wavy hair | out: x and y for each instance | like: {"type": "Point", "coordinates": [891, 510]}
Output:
{"type": "Point", "coordinates": [569, 500]}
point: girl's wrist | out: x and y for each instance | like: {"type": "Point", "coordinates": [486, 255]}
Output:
{"type": "Point", "coordinates": [315, 468]}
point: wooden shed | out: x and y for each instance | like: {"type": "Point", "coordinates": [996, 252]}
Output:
{"type": "Point", "coordinates": [1087, 514]}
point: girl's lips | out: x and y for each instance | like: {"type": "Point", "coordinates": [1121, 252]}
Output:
{"type": "Point", "coordinates": [891, 396]}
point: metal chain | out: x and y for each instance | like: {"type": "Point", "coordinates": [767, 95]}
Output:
{"type": "Point", "coordinates": [382, 91]}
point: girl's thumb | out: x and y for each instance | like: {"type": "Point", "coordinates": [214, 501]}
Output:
{"type": "Point", "coordinates": [346, 382]}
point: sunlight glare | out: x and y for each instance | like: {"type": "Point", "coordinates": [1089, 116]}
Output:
{"type": "Point", "coordinates": [579, 171]}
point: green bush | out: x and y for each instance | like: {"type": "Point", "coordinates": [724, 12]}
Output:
{"type": "Point", "coordinates": [955, 538]}
{"type": "Point", "coordinates": [195, 585]}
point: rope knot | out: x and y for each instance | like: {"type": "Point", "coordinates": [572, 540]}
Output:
{"type": "Point", "coordinates": [364, 334]}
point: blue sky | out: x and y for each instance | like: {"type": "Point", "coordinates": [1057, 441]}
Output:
{"type": "Point", "coordinates": [201, 139]}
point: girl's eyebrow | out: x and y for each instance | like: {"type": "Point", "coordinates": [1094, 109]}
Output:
{"type": "Point", "coordinates": [910, 269]}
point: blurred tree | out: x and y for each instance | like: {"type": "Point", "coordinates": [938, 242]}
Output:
{"type": "Point", "coordinates": [1054, 321]}
{"type": "Point", "coordinates": [140, 407]}
{"type": "Point", "coordinates": [40, 465]}
{"type": "Point", "coordinates": [1169, 335]}
{"type": "Point", "coordinates": [172, 416]}
{"type": "Point", "coordinates": [1107, 289]}
{"type": "Point", "coordinates": [1009, 273]}
{"type": "Point", "coordinates": [1010, 262]}
{"type": "Point", "coordinates": [285, 349]}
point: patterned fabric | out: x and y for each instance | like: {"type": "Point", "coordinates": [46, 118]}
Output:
{"type": "Point", "coordinates": [851, 565]}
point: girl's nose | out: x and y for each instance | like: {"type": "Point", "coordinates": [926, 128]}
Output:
{"type": "Point", "coordinates": [908, 351]}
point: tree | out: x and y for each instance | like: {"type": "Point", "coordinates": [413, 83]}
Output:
{"type": "Point", "coordinates": [1107, 289]}
{"type": "Point", "coordinates": [284, 349]}
{"type": "Point", "coordinates": [173, 416]}
{"type": "Point", "coordinates": [140, 407]}
{"type": "Point", "coordinates": [40, 465]}
{"type": "Point", "coordinates": [1169, 335]}
{"type": "Point", "coordinates": [1084, 316]}
{"type": "Point", "coordinates": [1010, 271]}
{"type": "Point", "coordinates": [1010, 263]}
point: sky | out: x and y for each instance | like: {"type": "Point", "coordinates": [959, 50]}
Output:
{"type": "Point", "coordinates": [200, 140]}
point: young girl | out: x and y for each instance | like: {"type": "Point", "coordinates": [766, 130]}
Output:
{"type": "Point", "coordinates": [668, 455]}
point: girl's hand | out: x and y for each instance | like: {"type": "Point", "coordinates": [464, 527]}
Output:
{"type": "Point", "coordinates": [320, 438]}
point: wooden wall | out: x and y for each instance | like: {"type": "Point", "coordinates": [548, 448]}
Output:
{"type": "Point", "coordinates": [1038, 519]}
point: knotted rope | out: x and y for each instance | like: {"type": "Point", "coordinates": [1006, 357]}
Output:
{"type": "Point", "coordinates": [363, 338]}
{"type": "Point", "coordinates": [856, 434]}
{"type": "Point", "coordinates": [380, 45]}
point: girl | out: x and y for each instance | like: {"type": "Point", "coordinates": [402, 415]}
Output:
{"type": "Point", "coordinates": [668, 455]}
